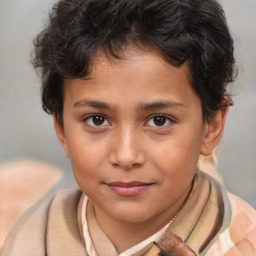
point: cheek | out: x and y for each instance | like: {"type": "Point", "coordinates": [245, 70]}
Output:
{"type": "Point", "coordinates": [86, 151]}
{"type": "Point", "coordinates": [177, 157]}
{"type": "Point", "coordinates": [87, 159]}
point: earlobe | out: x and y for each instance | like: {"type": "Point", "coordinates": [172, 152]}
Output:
{"type": "Point", "coordinates": [60, 134]}
{"type": "Point", "coordinates": [213, 131]}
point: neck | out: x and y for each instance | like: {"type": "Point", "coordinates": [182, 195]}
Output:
{"type": "Point", "coordinates": [124, 235]}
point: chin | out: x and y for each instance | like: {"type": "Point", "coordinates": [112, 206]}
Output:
{"type": "Point", "coordinates": [130, 216]}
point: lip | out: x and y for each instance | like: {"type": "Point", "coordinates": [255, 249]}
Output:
{"type": "Point", "coordinates": [129, 188]}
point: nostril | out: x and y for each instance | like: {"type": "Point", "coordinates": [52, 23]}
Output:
{"type": "Point", "coordinates": [127, 163]}
{"type": "Point", "coordinates": [115, 165]}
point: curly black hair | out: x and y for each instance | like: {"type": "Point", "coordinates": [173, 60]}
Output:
{"type": "Point", "coordinates": [192, 31]}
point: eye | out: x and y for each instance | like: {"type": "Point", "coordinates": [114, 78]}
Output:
{"type": "Point", "coordinates": [97, 121]}
{"type": "Point", "coordinates": [159, 121]}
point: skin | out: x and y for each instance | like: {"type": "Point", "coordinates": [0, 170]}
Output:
{"type": "Point", "coordinates": [137, 158]}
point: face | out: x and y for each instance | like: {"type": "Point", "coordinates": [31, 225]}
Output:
{"type": "Point", "coordinates": [133, 131]}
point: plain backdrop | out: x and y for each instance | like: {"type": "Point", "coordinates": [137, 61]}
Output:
{"type": "Point", "coordinates": [27, 132]}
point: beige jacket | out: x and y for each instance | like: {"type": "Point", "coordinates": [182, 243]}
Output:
{"type": "Point", "coordinates": [211, 223]}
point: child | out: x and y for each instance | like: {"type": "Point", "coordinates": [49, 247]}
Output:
{"type": "Point", "coordinates": [138, 90]}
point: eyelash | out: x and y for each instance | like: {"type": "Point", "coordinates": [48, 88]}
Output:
{"type": "Point", "coordinates": [166, 119]}
{"type": "Point", "coordinates": [102, 118]}
{"type": "Point", "coordinates": [95, 116]}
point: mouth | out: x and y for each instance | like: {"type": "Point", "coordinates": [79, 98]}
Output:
{"type": "Point", "coordinates": [129, 188]}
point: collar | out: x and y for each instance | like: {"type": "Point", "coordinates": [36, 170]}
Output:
{"type": "Point", "coordinates": [92, 232]}
{"type": "Point", "coordinates": [199, 223]}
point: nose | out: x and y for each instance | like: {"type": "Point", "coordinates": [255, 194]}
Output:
{"type": "Point", "coordinates": [127, 152]}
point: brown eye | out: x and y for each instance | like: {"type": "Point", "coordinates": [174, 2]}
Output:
{"type": "Point", "coordinates": [159, 121]}
{"type": "Point", "coordinates": [97, 121]}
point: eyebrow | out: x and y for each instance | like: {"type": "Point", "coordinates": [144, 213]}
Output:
{"type": "Point", "coordinates": [142, 107]}
{"type": "Point", "coordinates": [160, 105]}
{"type": "Point", "coordinates": [93, 104]}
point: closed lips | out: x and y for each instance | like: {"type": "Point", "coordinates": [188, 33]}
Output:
{"type": "Point", "coordinates": [130, 188]}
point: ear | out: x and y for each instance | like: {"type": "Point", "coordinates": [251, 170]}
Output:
{"type": "Point", "coordinates": [61, 135]}
{"type": "Point", "coordinates": [213, 130]}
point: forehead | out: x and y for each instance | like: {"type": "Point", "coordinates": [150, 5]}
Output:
{"type": "Point", "coordinates": [132, 56]}
{"type": "Point", "coordinates": [141, 75]}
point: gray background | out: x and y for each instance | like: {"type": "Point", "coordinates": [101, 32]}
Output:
{"type": "Point", "coordinates": [26, 131]}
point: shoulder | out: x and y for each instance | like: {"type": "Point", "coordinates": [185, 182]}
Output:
{"type": "Point", "coordinates": [23, 182]}
{"type": "Point", "coordinates": [243, 221]}
{"type": "Point", "coordinates": [240, 237]}
{"type": "Point", "coordinates": [29, 232]}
